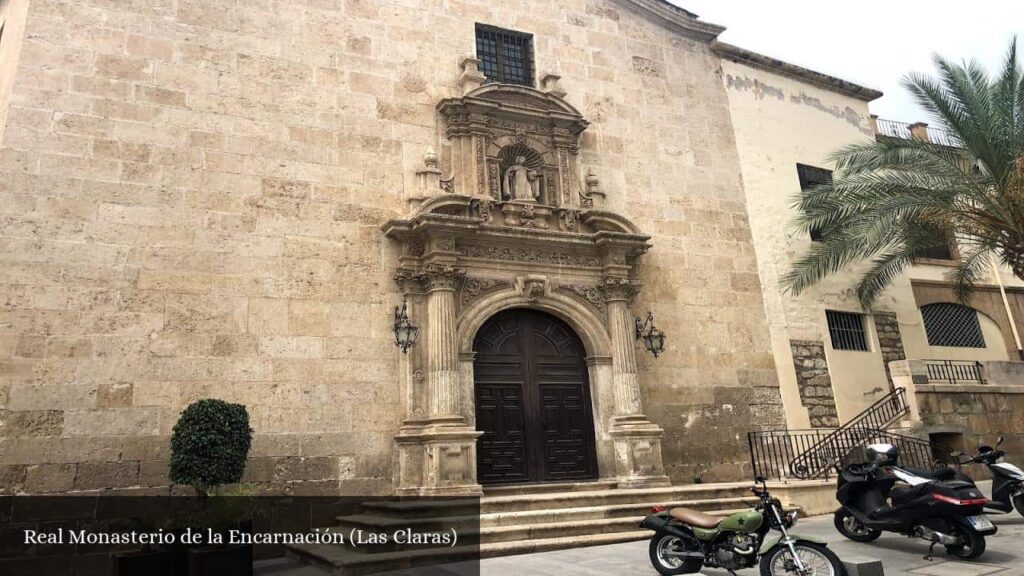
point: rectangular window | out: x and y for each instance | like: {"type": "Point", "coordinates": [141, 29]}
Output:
{"type": "Point", "coordinates": [505, 56]}
{"type": "Point", "coordinates": [846, 329]}
{"type": "Point", "coordinates": [811, 176]}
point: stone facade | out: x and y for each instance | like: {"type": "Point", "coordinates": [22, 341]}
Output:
{"type": "Point", "coordinates": [815, 383]}
{"type": "Point", "coordinates": [193, 201]}
{"type": "Point", "coordinates": [890, 341]}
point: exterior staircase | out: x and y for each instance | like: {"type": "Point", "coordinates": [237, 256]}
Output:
{"type": "Point", "coordinates": [516, 520]}
{"type": "Point", "coordinates": [810, 454]}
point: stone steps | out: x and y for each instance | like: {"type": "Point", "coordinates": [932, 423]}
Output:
{"type": "Point", "coordinates": [342, 561]}
{"type": "Point", "coordinates": [516, 520]}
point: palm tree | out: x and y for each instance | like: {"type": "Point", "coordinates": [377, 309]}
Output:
{"type": "Point", "coordinates": [891, 199]}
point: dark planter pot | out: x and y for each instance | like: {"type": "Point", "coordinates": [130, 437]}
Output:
{"type": "Point", "coordinates": [233, 560]}
{"type": "Point", "coordinates": [141, 563]}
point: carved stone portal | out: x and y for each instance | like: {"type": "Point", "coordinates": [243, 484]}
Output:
{"type": "Point", "coordinates": [546, 247]}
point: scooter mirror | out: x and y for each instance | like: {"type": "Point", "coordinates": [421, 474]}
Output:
{"type": "Point", "coordinates": [759, 479]}
{"type": "Point", "coordinates": [999, 441]}
{"type": "Point", "coordinates": [956, 453]}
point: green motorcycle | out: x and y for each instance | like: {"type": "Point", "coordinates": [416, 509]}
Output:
{"type": "Point", "coordinates": [687, 540]}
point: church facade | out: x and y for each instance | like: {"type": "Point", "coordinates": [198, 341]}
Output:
{"type": "Point", "coordinates": [206, 201]}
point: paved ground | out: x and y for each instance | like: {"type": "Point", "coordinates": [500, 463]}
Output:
{"type": "Point", "coordinates": [900, 556]}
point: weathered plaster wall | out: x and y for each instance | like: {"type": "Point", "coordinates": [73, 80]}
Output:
{"type": "Point", "coordinates": [779, 122]}
{"type": "Point", "coordinates": [191, 197]}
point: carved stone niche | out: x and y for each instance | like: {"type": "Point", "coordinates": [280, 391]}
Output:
{"type": "Point", "coordinates": [502, 135]}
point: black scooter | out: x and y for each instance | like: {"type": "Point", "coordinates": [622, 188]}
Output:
{"type": "Point", "coordinates": [1007, 479]}
{"type": "Point", "coordinates": [943, 512]}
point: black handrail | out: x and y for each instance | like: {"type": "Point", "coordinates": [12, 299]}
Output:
{"type": "Point", "coordinates": [772, 452]}
{"type": "Point", "coordinates": [813, 461]}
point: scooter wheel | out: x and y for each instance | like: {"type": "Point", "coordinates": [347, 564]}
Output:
{"type": "Point", "coordinates": [1018, 503]}
{"type": "Point", "coordinates": [848, 525]}
{"type": "Point", "coordinates": [973, 546]}
{"type": "Point", "coordinates": [661, 548]}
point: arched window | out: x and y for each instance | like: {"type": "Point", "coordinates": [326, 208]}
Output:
{"type": "Point", "coordinates": [952, 325]}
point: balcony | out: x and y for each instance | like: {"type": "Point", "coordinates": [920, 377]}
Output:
{"type": "Point", "coordinates": [915, 131]}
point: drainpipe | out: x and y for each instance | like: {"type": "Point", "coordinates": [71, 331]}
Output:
{"type": "Point", "coordinates": [1009, 313]}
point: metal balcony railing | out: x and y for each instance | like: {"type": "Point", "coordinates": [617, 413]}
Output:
{"type": "Point", "coordinates": [955, 371]}
{"type": "Point", "coordinates": [902, 130]}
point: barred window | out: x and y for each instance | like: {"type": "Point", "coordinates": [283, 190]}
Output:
{"type": "Point", "coordinates": [809, 177]}
{"type": "Point", "coordinates": [505, 56]}
{"type": "Point", "coordinates": [952, 325]}
{"type": "Point", "coordinates": [846, 329]}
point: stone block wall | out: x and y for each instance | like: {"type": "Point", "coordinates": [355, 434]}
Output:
{"type": "Point", "coordinates": [191, 195]}
{"type": "Point", "coordinates": [890, 341]}
{"type": "Point", "coordinates": [815, 384]}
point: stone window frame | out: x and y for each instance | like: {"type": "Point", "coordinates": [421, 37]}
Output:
{"type": "Point", "coordinates": [501, 37]}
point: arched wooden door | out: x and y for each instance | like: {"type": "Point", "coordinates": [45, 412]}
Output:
{"type": "Point", "coordinates": [532, 401]}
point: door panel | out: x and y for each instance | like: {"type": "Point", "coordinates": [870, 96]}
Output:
{"type": "Point", "coordinates": [533, 401]}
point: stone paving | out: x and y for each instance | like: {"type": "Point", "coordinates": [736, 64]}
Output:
{"type": "Point", "coordinates": [900, 555]}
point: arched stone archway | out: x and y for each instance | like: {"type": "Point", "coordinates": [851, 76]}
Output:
{"type": "Point", "coordinates": [588, 325]}
{"type": "Point", "coordinates": [532, 401]}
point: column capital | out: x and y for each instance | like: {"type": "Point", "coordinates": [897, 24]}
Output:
{"type": "Point", "coordinates": [618, 289]}
{"type": "Point", "coordinates": [432, 278]}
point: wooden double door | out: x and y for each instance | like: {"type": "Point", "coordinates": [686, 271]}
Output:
{"type": "Point", "coordinates": [532, 401]}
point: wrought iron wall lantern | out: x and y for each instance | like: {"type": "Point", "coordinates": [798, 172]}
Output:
{"type": "Point", "coordinates": [405, 331]}
{"type": "Point", "coordinates": [654, 339]}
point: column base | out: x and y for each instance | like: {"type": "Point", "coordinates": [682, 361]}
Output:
{"type": "Point", "coordinates": [437, 459]}
{"type": "Point", "coordinates": [637, 444]}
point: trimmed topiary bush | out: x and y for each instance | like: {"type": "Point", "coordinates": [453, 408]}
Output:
{"type": "Point", "coordinates": [210, 444]}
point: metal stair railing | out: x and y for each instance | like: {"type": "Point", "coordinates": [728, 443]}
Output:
{"type": "Point", "coordinates": [773, 451]}
{"type": "Point", "coordinates": [880, 415]}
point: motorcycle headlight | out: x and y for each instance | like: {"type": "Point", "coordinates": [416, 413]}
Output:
{"type": "Point", "coordinates": [790, 518]}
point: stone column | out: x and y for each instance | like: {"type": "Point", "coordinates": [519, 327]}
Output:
{"type": "Point", "coordinates": [637, 440]}
{"type": "Point", "coordinates": [617, 294]}
{"type": "Point", "coordinates": [444, 400]}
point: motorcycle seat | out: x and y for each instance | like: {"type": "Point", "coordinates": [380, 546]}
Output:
{"type": "Point", "coordinates": [694, 517]}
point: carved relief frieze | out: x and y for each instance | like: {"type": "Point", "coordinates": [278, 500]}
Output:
{"type": "Point", "coordinates": [589, 293]}
{"type": "Point", "coordinates": [504, 253]}
{"type": "Point", "coordinates": [472, 288]}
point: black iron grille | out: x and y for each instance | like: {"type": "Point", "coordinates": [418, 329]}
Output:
{"type": "Point", "coordinates": [505, 56]}
{"type": "Point", "coordinates": [952, 325]}
{"type": "Point", "coordinates": [809, 177]}
{"type": "Point", "coordinates": [846, 330]}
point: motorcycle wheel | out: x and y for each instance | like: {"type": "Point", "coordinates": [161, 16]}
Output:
{"type": "Point", "coordinates": [973, 546]}
{"type": "Point", "coordinates": [668, 565]}
{"type": "Point", "coordinates": [817, 560]}
{"type": "Point", "coordinates": [848, 525]}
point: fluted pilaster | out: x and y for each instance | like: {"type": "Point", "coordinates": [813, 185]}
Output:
{"type": "Point", "coordinates": [442, 348]}
{"type": "Point", "coordinates": [618, 292]}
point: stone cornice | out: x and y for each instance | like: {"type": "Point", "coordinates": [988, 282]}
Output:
{"type": "Point", "coordinates": [676, 19]}
{"type": "Point", "coordinates": [776, 66]}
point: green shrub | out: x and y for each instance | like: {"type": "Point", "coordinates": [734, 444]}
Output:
{"type": "Point", "coordinates": [210, 444]}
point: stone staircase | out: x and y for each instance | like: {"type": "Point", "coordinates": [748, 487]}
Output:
{"type": "Point", "coordinates": [516, 520]}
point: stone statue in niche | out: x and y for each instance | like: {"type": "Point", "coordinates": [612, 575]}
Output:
{"type": "Point", "coordinates": [521, 184]}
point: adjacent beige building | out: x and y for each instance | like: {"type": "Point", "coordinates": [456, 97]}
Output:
{"type": "Point", "coordinates": [831, 355]}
